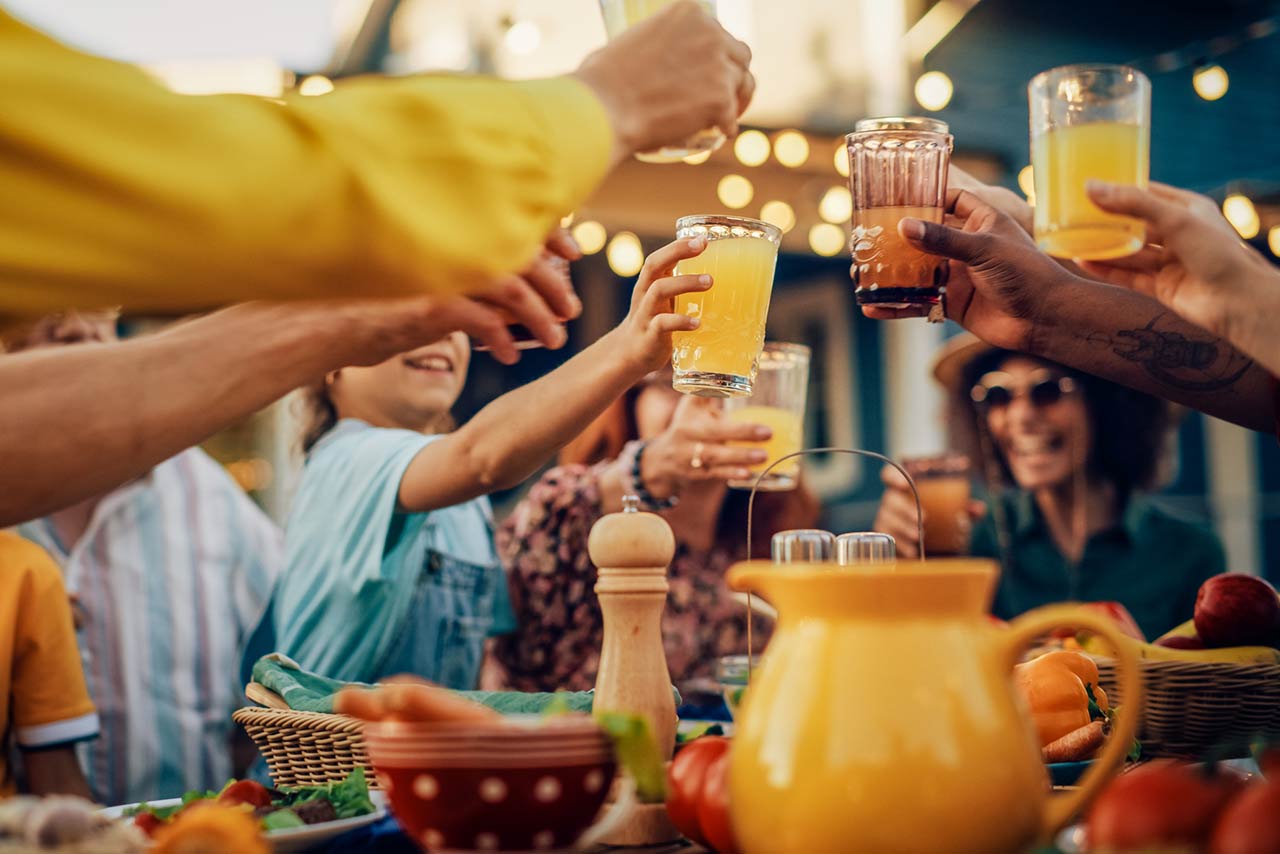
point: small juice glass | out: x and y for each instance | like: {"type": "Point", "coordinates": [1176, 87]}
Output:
{"type": "Point", "coordinates": [897, 168]}
{"type": "Point", "coordinates": [777, 402]}
{"type": "Point", "coordinates": [1087, 121]}
{"type": "Point", "coordinates": [720, 358]}
{"type": "Point", "coordinates": [943, 484]}
{"type": "Point", "coordinates": [621, 14]}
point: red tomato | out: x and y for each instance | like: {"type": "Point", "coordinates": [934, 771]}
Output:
{"type": "Point", "coordinates": [686, 777]}
{"type": "Point", "coordinates": [1157, 805]}
{"type": "Point", "coordinates": [147, 823]}
{"type": "Point", "coordinates": [713, 807]}
{"type": "Point", "coordinates": [245, 792]}
{"type": "Point", "coordinates": [1250, 824]}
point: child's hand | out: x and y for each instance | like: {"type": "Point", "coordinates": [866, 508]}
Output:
{"type": "Point", "coordinates": [646, 331]}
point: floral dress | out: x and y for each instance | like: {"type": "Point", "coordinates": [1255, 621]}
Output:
{"type": "Point", "coordinates": [557, 643]}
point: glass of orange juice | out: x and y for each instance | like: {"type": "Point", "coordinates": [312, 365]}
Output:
{"type": "Point", "coordinates": [621, 14]}
{"type": "Point", "coordinates": [721, 356]}
{"type": "Point", "coordinates": [897, 168]}
{"type": "Point", "coordinates": [777, 402]}
{"type": "Point", "coordinates": [1087, 121]}
{"type": "Point", "coordinates": [942, 482]}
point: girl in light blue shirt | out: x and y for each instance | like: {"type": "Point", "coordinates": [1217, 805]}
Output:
{"type": "Point", "coordinates": [390, 563]}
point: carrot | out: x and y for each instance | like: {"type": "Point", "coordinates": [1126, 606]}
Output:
{"type": "Point", "coordinates": [1076, 746]}
{"type": "Point", "coordinates": [409, 698]}
{"type": "Point", "coordinates": [364, 703]}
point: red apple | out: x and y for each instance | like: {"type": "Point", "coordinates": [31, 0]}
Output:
{"type": "Point", "coordinates": [1181, 642]}
{"type": "Point", "coordinates": [1235, 609]}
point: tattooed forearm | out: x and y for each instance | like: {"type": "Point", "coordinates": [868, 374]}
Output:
{"type": "Point", "coordinates": [1175, 360]}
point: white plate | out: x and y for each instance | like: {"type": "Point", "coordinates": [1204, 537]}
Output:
{"type": "Point", "coordinates": [293, 838]}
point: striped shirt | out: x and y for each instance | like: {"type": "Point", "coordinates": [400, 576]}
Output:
{"type": "Point", "coordinates": [172, 574]}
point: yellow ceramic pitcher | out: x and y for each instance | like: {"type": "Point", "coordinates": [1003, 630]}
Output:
{"type": "Point", "coordinates": [883, 717]}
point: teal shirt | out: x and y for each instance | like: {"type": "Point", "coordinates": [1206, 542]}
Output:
{"type": "Point", "coordinates": [1150, 561]}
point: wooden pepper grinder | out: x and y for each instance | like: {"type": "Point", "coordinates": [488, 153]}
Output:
{"type": "Point", "coordinates": [631, 551]}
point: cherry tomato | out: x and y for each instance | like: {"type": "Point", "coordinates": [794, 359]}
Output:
{"type": "Point", "coordinates": [1158, 805]}
{"type": "Point", "coordinates": [147, 823]}
{"type": "Point", "coordinates": [1250, 824]}
{"type": "Point", "coordinates": [685, 780]}
{"type": "Point", "coordinates": [245, 792]}
{"type": "Point", "coordinates": [713, 807]}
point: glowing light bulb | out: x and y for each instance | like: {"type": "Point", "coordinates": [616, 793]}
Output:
{"type": "Point", "coordinates": [842, 160]}
{"type": "Point", "coordinates": [734, 191]}
{"type": "Point", "coordinates": [791, 148]}
{"type": "Point", "coordinates": [316, 84]}
{"type": "Point", "coordinates": [1210, 82]}
{"type": "Point", "coordinates": [590, 236]}
{"type": "Point", "coordinates": [1273, 240]}
{"type": "Point", "coordinates": [836, 205]}
{"type": "Point", "coordinates": [934, 90]}
{"type": "Point", "coordinates": [625, 255]}
{"type": "Point", "coordinates": [826, 239]}
{"type": "Point", "coordinates": [751, 147]}
{"type": "Point", "coordinates": [780, 214]}
{"type": "Point", "coordinates": [1242, 215]}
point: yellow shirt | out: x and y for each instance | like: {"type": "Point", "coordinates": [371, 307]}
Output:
{"type": "Point", "coordinates": [116, 191]}
{"type": "Point", "coordinates": [41, 683]}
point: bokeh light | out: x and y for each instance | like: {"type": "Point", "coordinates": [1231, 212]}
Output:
{"type": "Point", "coordinates": [826, 239]}
{"type": "Point", "coordinates": [933, 90]}
{"type": "Point", "coordinates": [780, 214]}
{"type": "Point", "coordinates": [836, 205]}
{"type": "Point", "coordinates": [751, 148]}
{"type": "Point", "coordinates": [1210, 82]}
{"type": "Point", "coordinates": [735, 191]}
{"type": "Point", "coordinates": [590, 236]}
{"type": "Point", "coordinates": [1242, 215]}
{"type": "Point", "coordinates": [625, 254]}
{"type": "Point", "coordinates": [791, 148]}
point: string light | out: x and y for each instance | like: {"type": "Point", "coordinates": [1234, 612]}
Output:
{"type": "Point", "coordinates": [751, 148]}
{"type": "Point", "coordinates": [316, 84]}
{"type": "Point", "coordinates": [780, 214]}
{"type": "Point", "coordinates": [590, 236]}
{"type": "Point", "coordinates": [933, 90]}
{"type": "Point", "coordinates": [842, 160]}
{"type": "Point", "coordinates": [734, 191]}
{"type": "Point", "coordinates": [1273, 240]}
{"type": "Point", "coordinates": [1242, 215]}
{"type": "Point", "coordinates": [625, 255]}
{"type": "Point", "coordinates": [791, 148]}
{"type": "Point", "coordinates": [826, 239]}
{"type": "Point", "coordinates": [836, 205]}
{"type": "Point", "coordinates": [1210, 82]}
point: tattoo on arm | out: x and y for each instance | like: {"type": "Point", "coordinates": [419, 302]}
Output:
{"type": "Point", "coordinates": [1200, 364]}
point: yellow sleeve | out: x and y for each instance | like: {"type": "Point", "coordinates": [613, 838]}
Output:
{"type": "Point", "coordinates": [117, 191]}
{"type": "Point", "coordinates": [50, 701]}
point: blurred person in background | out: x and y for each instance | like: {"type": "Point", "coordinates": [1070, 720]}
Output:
{"type": "Point", "coordinates": [685, 458]}
{"type": "Point", "coordinates": [391, 563]}
{"type": "Point", "coordinates": [1003, 289]}
{"type": "Point", "coordinates": [1068, 459]}
{"type": "Point", "coordinates": [119, 191]}
{"type": "Point", "coordinates": [170, 573]}
{"type": "Point", "coordinates": [45, 710]}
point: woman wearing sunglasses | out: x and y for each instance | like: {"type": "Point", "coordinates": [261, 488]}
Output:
{"type": "Point", "coordinates": [1067, 458]}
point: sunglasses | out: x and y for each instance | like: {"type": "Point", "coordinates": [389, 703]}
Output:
{"type": "Point", "coordinates": [996, 390]}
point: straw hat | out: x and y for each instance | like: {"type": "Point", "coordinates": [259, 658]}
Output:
{"type": "Point", "coordinates": [954, 355]}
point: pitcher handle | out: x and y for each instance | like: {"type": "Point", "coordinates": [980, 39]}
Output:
{"type": "Point", "coordinates": [1059, 809]}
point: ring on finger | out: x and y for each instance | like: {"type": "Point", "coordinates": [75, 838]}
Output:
{"type": "Point", "coordinates": [696, 462]}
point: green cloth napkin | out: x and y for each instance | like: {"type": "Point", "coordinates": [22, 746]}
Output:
{"type": "Point", "coordinates": [309, 692]}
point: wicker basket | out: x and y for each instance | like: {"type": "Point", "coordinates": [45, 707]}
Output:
{"type": "Point", "coordinates": [307, 748]}
{"type": "Point", "coordinates": [1197, 709]}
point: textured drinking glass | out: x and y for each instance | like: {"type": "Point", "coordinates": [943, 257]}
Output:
{"type": "Point", "coordinates": [897, 168]}
{"type": "Point", "coordinates": [620, 14]}
{"type": "Point", "coordinates": [1087, 121]}
{"type": "Point", "coordinates": [721, 356]}
{"type": "Point", "coordinates": [777, 402]}
{"type": "Point", "coordinates": [943, 484]}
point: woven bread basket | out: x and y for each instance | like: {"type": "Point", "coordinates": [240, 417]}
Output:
{"type": "Point", "coordinates": [1197, 710]}
{"type": "Point", "coordinates": [304, 748]}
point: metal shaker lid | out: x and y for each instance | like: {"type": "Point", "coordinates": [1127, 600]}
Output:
{"type": "Point", "coordinates": [803, 545]}
{"type": "Point", "coordinates": [865, 547]}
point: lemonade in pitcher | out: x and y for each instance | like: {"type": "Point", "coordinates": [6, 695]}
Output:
{"type": "Point", "coordinates": [720, 357]}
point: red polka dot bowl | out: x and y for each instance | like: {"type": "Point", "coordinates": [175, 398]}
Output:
{"type": "Point", "coordinates": [522, 784]}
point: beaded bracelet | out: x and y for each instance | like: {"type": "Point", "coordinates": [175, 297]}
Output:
{"type": "Point", "coordinates": [637, 484]}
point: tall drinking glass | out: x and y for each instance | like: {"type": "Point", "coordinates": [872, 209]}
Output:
{"type": "Point", "coordinates": [620, 14]}
{"type": "Point", "coordinates": [721, 356]}
{"type": "Point", "coordinates": [943, 485]}
{"type": "Point", "coordinates": [897, 168]}
{"type": "Point", "coordinates": [778, 403]}
{"type": "Point", "coordinates": [1087, 121]}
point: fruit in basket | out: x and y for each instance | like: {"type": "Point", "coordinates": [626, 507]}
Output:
{"type": "Point", "coordinates": [1181, 642]}
{"type": "Point", "coordinates": [1250, 824]}
{"type": "Point", "coordinates": [698, 793]}
{"type": "Point", "coordinates": [1056, 689]}
{"type": "Point", "coordinates": [1162, 805]}
{"type": "Point", "coordinates": [1160, 652]}
{"type": "Point", "coordinates": [1234, 609]}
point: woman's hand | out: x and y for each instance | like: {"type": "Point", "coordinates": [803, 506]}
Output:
{"type": "Point", "coordinates": [1194, 262]}
{"type": "Point", "coordinates": [695, 447]}
{"type": "Point", "coordinates": [645, 333]}
{"type": "Point", "coordinates": [897, 513]}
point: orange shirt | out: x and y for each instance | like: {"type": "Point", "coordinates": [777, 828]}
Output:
{"type": "Point", "coordinates": [43, 699]}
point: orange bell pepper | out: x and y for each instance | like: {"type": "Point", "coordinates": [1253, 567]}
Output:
{"type": "Point", "coordinates": [211, 828]}
{"type": "Point", "coordinates": [1055, 688]}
